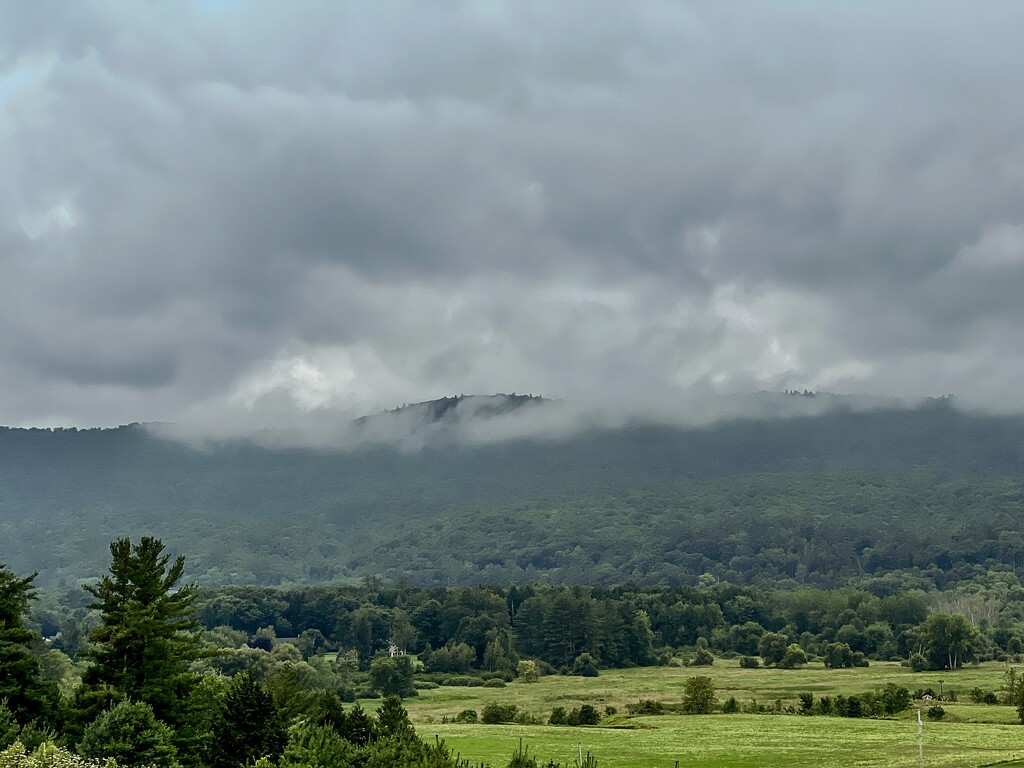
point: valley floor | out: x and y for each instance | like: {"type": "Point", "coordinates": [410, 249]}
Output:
{"type": "Point", "coordinates": [969, 735]}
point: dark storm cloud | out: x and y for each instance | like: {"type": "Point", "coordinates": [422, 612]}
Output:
{"type": "Point", "coordinates": [253, 211]}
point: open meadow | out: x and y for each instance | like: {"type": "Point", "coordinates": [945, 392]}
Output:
{"type": "Point", "coordinates": [969, 735]}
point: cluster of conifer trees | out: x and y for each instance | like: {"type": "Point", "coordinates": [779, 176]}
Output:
{"type": "Point", "coordinates": [144, 701]}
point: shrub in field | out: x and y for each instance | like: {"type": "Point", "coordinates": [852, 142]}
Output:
{"type": "Point", "coordinates": [752, 707]}
{"type": "Point", "coordinates": [837, 655]}
{"type": "Point", "coordinates": [731, 706]}
{"type": "Point", "coordinates": [467, 716]}
{"type": "Point", "coordinates": [979, 696]}
{"type": "Point", "coordinates": [583, 715]}
{"type": "Point", "coordinates": [750, 662]}
{"type": "Point", "coordinates": [495, 713]}
{"type": "Point", "coordinates": [495, 682]}
{"type": "Point", "coordinates": [795, 657]}
{"type": "Point", "coordinates": [463, 682]}
{"type": "Point", "coordinates": [806, 703]}
{"type": "Point", "coordinates": [854, 707]}
{"type": "Point", "coordinates": [585, 666]}
{"type": "Point", "coordinates": [772, 647]}
{"type": "Point", "coordinates": [525, 718]}
{"type": "Point", "coordinates": [699, 696]}
{"type": "Point", "coordinates": [528, 671]}
{"type": "Point", "coordinates": [646, 707]}
{"type": "Point", "coordinates": [918, 663]}
{"type": "Point", "coordinates": [893, 699]}
{"type": "Point", "coordinates": [392, 676]}
{"type": "Point", "coordinates": [936, 712]}
{"type": "Point", "coordinates": [558, 717]}
{"type": "Point", "coordinates": [703, 658]}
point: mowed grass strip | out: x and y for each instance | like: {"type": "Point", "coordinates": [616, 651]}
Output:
{"type": "Point", "coordinates": [744, 741]}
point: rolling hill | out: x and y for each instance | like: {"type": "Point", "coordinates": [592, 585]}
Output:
{"type": "Point", "coordinates": [565, 505]}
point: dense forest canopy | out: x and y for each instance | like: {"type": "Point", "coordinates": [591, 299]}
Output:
{"type": "Point", "coordinates": [830, 499]}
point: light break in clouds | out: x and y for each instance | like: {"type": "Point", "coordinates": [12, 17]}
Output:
{"type": "Point", "coordinates": [254, 211]}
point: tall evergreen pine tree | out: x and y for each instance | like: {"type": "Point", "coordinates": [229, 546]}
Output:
{"type": "Point", "coordinates": [147, 634]}
{"type": "Point", "coordinates": [21, 685]}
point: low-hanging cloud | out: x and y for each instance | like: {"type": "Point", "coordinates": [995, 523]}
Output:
{"type": "Point", "coordinates": [256, 215]}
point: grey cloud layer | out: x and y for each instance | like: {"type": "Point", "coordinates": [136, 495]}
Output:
{"type": "Point", "coordinates": [249, 211]}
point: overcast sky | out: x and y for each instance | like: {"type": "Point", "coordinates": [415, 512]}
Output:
{"type": "Point", "coordinates": [253, 210]}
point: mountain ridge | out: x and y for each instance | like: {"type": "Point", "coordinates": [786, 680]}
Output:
{"type": "Point", "coordinates": [251, 513]}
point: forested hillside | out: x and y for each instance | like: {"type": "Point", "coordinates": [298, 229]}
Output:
{"type": "Point", "coordinates": [827, 499]}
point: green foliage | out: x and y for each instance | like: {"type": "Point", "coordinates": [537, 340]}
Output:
{"type": "Point", "coordinates": [22, 687]}
{"type": "Point", "coordinates": [146, 638]}
{"type": "Point", "coordinates": [750, 662]}
{"type": "Point", "coordinates": [452, 657]}
{"type": "Point", "coordinates": [47, 755]}
{"type": "Point", "coordinates": [699, 696]}
{"type": "Point", "coordinates": [585, 666]}
{"type": "Point", "coordinates": [130, 734]}
{"type": "Point", "coordinates": [702, 658]}
{"type": "Point", "coordinates": [893, 699]}
{"type": "Point", "coordinates": [918, 663]}
{"type": "Point", "coordinates": [585, 714]}
{"type": "Point", "coordinates": [9, 727]}
{"type": "Point", "coordinates": [949, 640]}
{"type": "Point", "coordinates": [393, 720]}
{"type": "Point", "coordinates": [527, 671]}
{"type": "Point", "coordinates": [495, 712]}
{"type": "Point", "coordinates": [779, 486]}
{"type": "Point", "coordinates": [248, 725]}
{"type": "Point", "coordinates": [358, 727]}
{"type": "Point", "coordinates": [806, 703]}
{"type": "Point", "coordinates": [794, 657]}
{"type": "Point", "coordinates": [646, 707]}
{"type": "Point", "coordinates": [392, 676]}
{"type": "Point", "coordinates": [936, 712]}
{"type": "Point", "coordinates": [773, 647]}
{"type": "Point", "coordinates": [317, 746]}
{"type": "Point", "coordinates": [837, 655]}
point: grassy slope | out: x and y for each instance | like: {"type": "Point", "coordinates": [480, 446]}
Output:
{"type": "Point", "coordinates": [984, 734]}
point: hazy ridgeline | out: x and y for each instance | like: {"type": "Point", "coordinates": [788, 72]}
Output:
{"type": "Point", "coordinates": [931, 493]}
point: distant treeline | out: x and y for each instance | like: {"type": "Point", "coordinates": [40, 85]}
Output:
{"type": "Point", "coordinates": [490, 629]}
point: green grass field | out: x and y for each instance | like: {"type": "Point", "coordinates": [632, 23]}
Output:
{"type": "Point", "coordinates": [971, 735]}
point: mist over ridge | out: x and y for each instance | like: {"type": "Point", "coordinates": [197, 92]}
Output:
{"type": "Point", "coordinates": [279, 507]}
{"type": "Point", "coordinates": [484, 419]}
